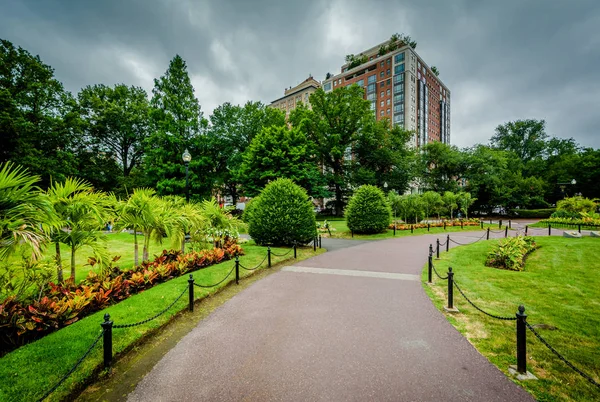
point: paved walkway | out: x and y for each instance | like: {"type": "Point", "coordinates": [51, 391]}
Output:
{"type": "Point", "coordinates": [349, 325]}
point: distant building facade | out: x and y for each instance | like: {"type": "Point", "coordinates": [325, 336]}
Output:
{"type": "Point", "coordinates": [402, 88]}
{"type": "Point", "coordinates": [293, 96]}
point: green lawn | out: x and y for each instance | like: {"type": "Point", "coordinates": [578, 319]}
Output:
{"type": "Point", "coordinates": [26, 373]}
{"type": "Point", "coordinates": [342, 231]}
{"type": "Point", "coordinates": [560, 286]}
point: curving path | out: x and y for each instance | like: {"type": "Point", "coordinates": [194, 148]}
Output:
{"type": "Point", "coordinates": [351, 324]}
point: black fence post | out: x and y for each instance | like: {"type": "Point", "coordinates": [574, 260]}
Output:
{"type": "Point", "coordinates": [237, 268]}
{"type": "Point", "coordinates": [579, 227]}
{"type": "Point", "coordinates": [444, 225]}
{"type": "Point", "coordinates": [549, 230]}
{"type": "Point", "coordinates": [450, 289]}
{"type": "Point", "coordinates": [461, 224]}
{"type": "Point", "coordinates": [431, 250]}
{"type": "Point", "coordinates": [506, 231]}
{"type": "Point", "coordinates": [394, 228]}
{"type": "Point", "coordinates": [509, 224]}
{"type": "Point", "coordinates": [191, 292]}
{"type": "Point", "coordinates": [429, 268]}
{"type": "Point", "coordinates": [521, 340]}
{"type": "Point", "coordinates": [295, 251]}
{"type": "Point", "coordinates": [488, 234]}
{"type": "Point", "coordinates": [526, 229]}
{"type": "Point", "coordinates": [412, 228]}
{"type": "Point", "coordinates": [437, 248]}
{"type": "Point", "coordinates": [107, 340]}
{"type": "Point", "coordinates": [428, 226]}
{"type": "Point", "coordinates": [447, 243]}
{"type": "Point", "coordinates": [500, 224]}
{"type": "Point", "coordinates": [320, 244]}
{"type": "Point", "coordinates": [315, 242]}
{"type": "Point", "coordinates": [269, 255]}
{"type": "Point", "coordinates": [481, 222]}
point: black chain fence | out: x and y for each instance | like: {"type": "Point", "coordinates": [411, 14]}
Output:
{"type": "Point", "coordinates": [561, 357]}
{"type": "Point", "coordinates": [282, 255]}
{"type": "Point", "coordinates": [68, 374]}
{"type": "Point", "coordinates": [255, 267]}
{"type": "Point", "coordinates": [438, 275]}
{"type": "Point", "coordinates": [480, 309]}
{"type": "Point", "coordinates": [216, 284]}
{"type": "Point", "coordinates": [154, 317]}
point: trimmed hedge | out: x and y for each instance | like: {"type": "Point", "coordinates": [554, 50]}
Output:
{"type": "Point", "coordinates": [533, 213]}
{"type": "Point", "coordinates": [368, 211]}
{"type": "Point", "coordinates": [281, 215]}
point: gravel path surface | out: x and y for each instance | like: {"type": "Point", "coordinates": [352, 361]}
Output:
{"type": "Point", "coordinates": [357, 335]}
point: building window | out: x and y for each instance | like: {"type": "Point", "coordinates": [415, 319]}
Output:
{"type": "Point", "coordinates": [399, 58]}
{"type": "Point", "coordinates": [381, 113]}
{"type": "Point", "coordinates": [389, 61]}
{"type": "Point", "coordinates": [360, 83]}
{"type": "Point", "coordinates": [383, 64]}
{"type": "Point", "coordinates": [372, 96]}
{"type": "Point", "coordinates": [381, 104]}
{"type": "Point", "coordinates": [381, 95]}
{"type": "Point", "coordinates": [327, 86]}
{"type": "Point", "coordinates": [388, 102]}
{"type": "Point", "coordinates": [370, 88]}
{"type": "Point", "coordinates": [399, 98]}
{"type": "Point", "coordinates": [388, 111]}
{"type": "Point", "coordinates": [381, 74]}
{"type": "Point", "coordinates": [388, 92]}
{"type": "Point", "coordinates": [399, 108]}
{"type": "Point", "coordinates": [334, 83]}
{"type": "Point", "coordinates": [388, 71]}
{"type": "Point", "coordinates": [340, 81]}
{"type": "Point", "coordinates": [373, 106]}
{"type": "Point", "coordinates": [399, 69]}
{"type": "Point", "coordinates": [372, 79]}
{"type": "Point", "coordinates": [388, 81]}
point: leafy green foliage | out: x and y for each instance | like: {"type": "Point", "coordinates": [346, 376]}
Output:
{"type": "Point", "coordinates": [368, 211]}
{"type": "Point", "coordinates": [510, 253]}
{"type": "Point", "coordinates": [577, 204]}
{"type": "Point", "coordinates": [334, 123]}
{"type": "Point", "coordinates": [281, 215]}
{"type": "Point", "coordinates": [281, 152]}
{"type": "Point", "coordinates": [533, 213]}
{"type": "Point", "coordinates": [62, 305]}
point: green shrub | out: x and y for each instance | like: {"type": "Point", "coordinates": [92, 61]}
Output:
{"type": "Point", "coordinates": [368, 211]}
{"type": "Point", "coordinates": [510, 253]}
{"type": "Point", "coordinates": [281, 215]}
{"type": "Point", "coordinates": [564, 214]}
{"type": "Point", "coordinates": [532, 213]}
{"type": "Point", "coordinates": [577, 204]}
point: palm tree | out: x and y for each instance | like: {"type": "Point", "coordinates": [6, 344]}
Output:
{"type": "Point", "coordinates": [187, 218]}
{"type": "Point", "coordinates": [82, 213]}
{"type": "Point", "coordinates": [24, 212]}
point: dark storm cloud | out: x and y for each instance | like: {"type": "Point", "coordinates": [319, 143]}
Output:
{"type": "Point", "coordinates": [502, 60]}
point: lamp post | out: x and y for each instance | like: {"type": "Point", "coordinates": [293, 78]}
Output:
{"type": "Point", "coordinates": [385, 186]}
{"type": "Point", "coordinates": [187, 157]}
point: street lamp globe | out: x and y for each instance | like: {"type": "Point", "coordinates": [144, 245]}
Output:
{"type": "Point", "coordinates": [573, 182]}
{"type": "Point", "coordinates": [385, 185]}
{"type": "Point", "coordinates": [187, 157]}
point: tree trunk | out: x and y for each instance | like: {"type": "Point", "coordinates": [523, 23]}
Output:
{"type": "Point", "coordinates": [338, 200]}
{"type": "Point", "coordinates": [146, 244]}
{"type": "Point", "coordinates": [73, 264]}
{"type": "Point", "coordinates": [183, 245]}
{"type": "Point", "coordinates": [59, 267]}
{"type": "Point", "coordinates": [135, 247]}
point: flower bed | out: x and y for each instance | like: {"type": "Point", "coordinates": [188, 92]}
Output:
{"type": "Point", "coordinates": [510, 253]}
{"type": "Point", "coordinates": [583, 221]}
{"type": "Point", "coordinates": [62, 305]}
{"type": "Point", "coordinates": [449, 223]}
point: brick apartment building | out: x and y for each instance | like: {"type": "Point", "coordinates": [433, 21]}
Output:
{"type": "Point", "coordinates": [402, 88]}
{"type": "Point", "coordinates": [293, 96]}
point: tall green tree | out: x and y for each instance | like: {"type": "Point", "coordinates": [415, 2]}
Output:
{"type": "Point", "coordinates": [525, 138]}
{"type": "Point", "coordinates": [176, 124]}
{"type": "Point", "coordinates": [440, 167]}
{"type": "Point", "coordinates": [280, 152]}
{"type": "Point", "coordinates": [335, 122]}
{"type": "Point", "coordinates": [232, 129]}
{"type": "Point", "coordinates": [39, 123]}
{"type": "Point", "coordinates": [382, 155]}
{"type": "Point", "coordinates": [116, 122]}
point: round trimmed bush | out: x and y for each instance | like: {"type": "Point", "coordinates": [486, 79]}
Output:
{"type": "Point", "coordinates": [368, 211]}
{"type": "Point", "coordinates": [282, 215]}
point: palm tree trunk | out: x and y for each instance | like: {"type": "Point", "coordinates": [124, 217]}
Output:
{"type": "Point", "coordinates": [146, 245]}
{"type": "Point", "coordinates": [136, 247]}
{"type": "Point", "coordinates": [183, 246]}
{"type": "Point", "coordinates": [59, 268]}
{"type": "Point", "coordinates": [72, 264]}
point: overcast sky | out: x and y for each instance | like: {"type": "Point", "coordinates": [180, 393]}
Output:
{"type": "Point", "coordinates": [502, 60]}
